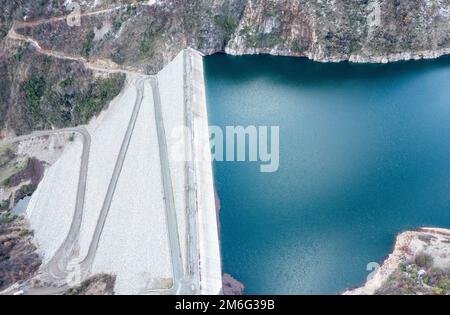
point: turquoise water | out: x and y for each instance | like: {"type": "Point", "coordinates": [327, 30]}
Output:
{"type": "Point", "coordinates": [364, 155]}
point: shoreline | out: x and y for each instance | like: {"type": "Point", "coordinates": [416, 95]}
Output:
{"type": "Point", "coordinates": [407, 246]}
{"type": "Point", "coordinates": [353, 58]}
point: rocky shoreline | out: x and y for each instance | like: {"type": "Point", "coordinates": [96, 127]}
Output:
{"type": "Point", "coordinates": [394, 57]}
{"type": "Point", "coordinates": [419, 264]}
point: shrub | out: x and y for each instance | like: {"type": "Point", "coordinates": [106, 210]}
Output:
{"type": "Point", "coordinates": [6, 218]}
{"type": "Point", "coordinates": [4, 205]}
{"type": "Point", "coordinates": [34, 90]}
{"type": "Point", "coordinates": [99, 95]}
{"type": "Point", "coordinates": [424, 261]}
{"type": "Point", "coordinates": [117, 24]}
{"type": "Point", "coordinates": [226, 23]}
{"type": "Point", "coordinates": [87, 46]}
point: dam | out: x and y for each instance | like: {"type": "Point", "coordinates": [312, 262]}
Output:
{"type": "Point", "coordinates": [364, 155]}
{"type": "Point", "coordinates": [129, 197]}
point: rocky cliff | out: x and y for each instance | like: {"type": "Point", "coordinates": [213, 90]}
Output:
{"type": "Point", "coordinates": [145, 35]}
{"type": "Point", "coordinates": [325, 30]}
{"type": "Point", "coordinates": [419, 264]}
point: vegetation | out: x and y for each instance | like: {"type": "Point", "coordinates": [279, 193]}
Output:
{"type": "Point", "coordinates": [100, 93]}
{"type": "Point", "coordinates": [6, 155]}
{"type": "Point", "coordinates": [226, 23]}
{"type": "Point", "coordinates": [7, 217]}
{"type": "Point", "coordinates": [25, 232]}
{"type": "Point", "coordinates": [18, 257]}
{"type": "Point", "coordinates": [147, 44]}
{"type": "Point", "coordinates": [4, 205]}
{"type": "Point", "coordinates": [34, 90]}
{"type": "Point", "coordinates": [117, 24]}
{"type": "Point", "coordinates": [24, 191]}
{"type": "Point", "coordinates": [18, 56]}
{"type": "Point", "coordinates": [418, 277]}
{"type": "Point", "coordinates": [88, 43]}
{"type": "Point", "coordinates": [118, 57]}
{"type": "Point", "coordinates": [424, 261]}
{"type": "Point", "coordinates": [68, 96]}
{"type": "Point", "coordinates": [101, 284]}
{"type": "Point", "coordinates": [11, 169]}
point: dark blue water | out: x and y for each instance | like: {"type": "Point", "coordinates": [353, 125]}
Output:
{"type": "Point", "coordinates": [364, 155]}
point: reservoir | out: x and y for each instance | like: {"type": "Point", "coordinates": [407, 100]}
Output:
{"type": "Point", "coordinates": [364, 154]}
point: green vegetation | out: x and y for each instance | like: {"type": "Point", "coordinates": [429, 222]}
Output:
{"type": "Point", "coordinates": [424, 260]}
{"type": "Point", "coordinates": [147, 43]}
{"type": "Point", "coordinates": [100, 93]}
{"type": "Point", "coordinates": [249, 36]}
{"type": "Point", "coordinates": [18, 56]}
{"type": "Point", "coordinates": [6, 155]}
{"type": "Point", "coordinates": [7, 217]}
{"type": "Point", "coordinates": [118, 57]}
{"type": "Point", "coordinates": [88, 43]}
{"type": "Point", "coordinates": [24, 191]}
{"type": "Point", "coordinates": [226, 23]}
{"type": "Point", "coordinates": [117, 24]}
{"type": "Point", "coordinates": [24, 232]}
{"type": "Point", "coordinates": [5, 25]}
{"type": "Point", "coordinates": [34, 90]}
{"type": "Point", "coordinates": [67, 82]}
{"type": "Point", "coordinates": [4, 205]}
{"type": "Point", "coordinates": [11, 168]}
{"type": "Point", "coordinates": [65, 100]}
{"type": "Point", "coordinates": [3, 32]}
{"type": "Point", "coordinates": [418, 277]}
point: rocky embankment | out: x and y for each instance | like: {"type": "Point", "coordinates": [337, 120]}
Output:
{"type": "Point", "coordinates": [18, 258]}
{"type": "Point", "coordinates": [419, 264]}
{"type": "Point", "coordinates": [231, 286]}
{"type": "Point", "coordinates": [101, 284]}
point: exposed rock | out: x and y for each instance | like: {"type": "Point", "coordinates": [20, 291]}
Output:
{"type": "Point", "coordinates": [231, 286]}
{"type": "Point", "coordinates": [102, 284]}
{"type": "Point", "coordinates": [419, 264]}
{"type": "Point", "coordinates": [18, 258]}
{"type": "Point", "coordinates": [144, 38]}
{"type": "Point", "coordinates": [19, 176]}
{"type": "Point", "coordinates": [148, 37]}
{"type": "Point", "coordinates": [33, 172]}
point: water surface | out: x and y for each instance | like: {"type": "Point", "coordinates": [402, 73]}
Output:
{"type": "Point", "coordinates": [364, 155]}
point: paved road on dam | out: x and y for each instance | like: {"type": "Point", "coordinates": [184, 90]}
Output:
{"type": "Point", "coordinates": [182, 284]}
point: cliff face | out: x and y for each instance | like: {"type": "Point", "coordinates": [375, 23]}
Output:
{"type": "Point", "coordinates": [145, 35]}
{"type": "Point", "coordinates": [341, 30]}
{"type": "Point", "coordinates": [149, 36]}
